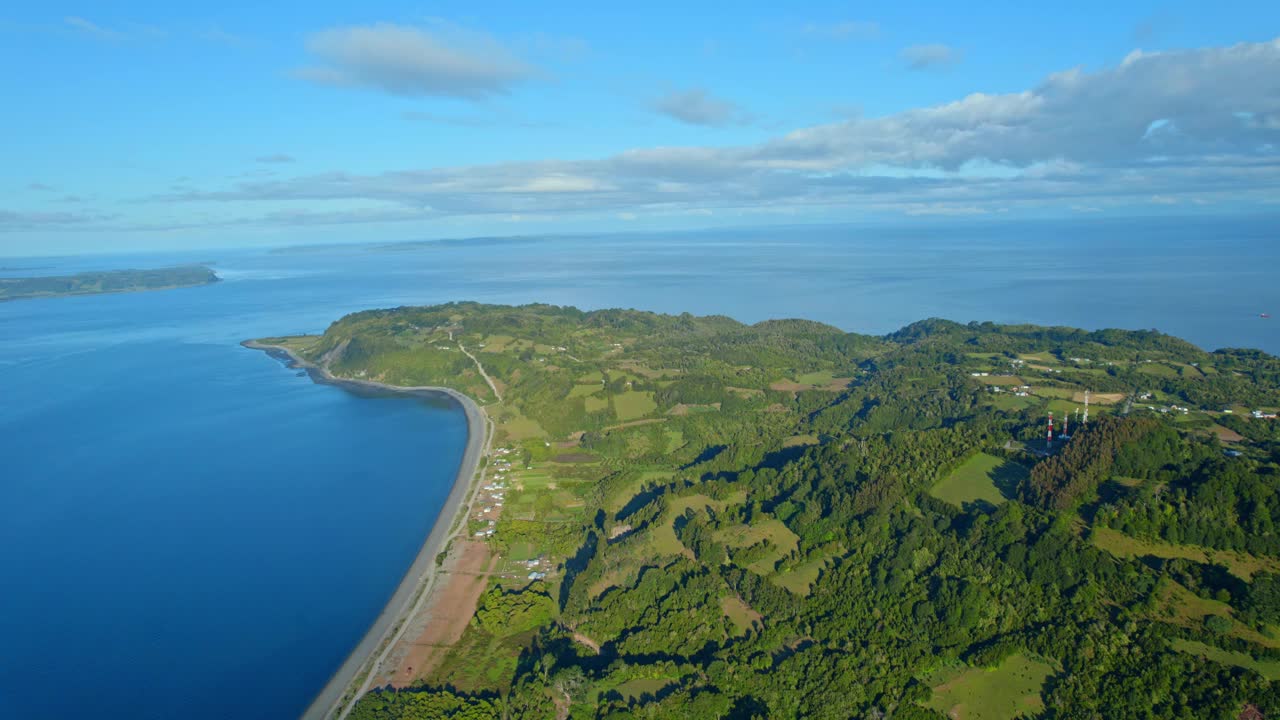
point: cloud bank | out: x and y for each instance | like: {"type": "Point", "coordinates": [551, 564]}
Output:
{"type": "Point", "coordinates": [1189, 127]}
{"type": "Point", "coordinates": [414, 62]}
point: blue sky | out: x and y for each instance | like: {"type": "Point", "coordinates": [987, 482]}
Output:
{"type": "Point", "coordinates": [147, 125]}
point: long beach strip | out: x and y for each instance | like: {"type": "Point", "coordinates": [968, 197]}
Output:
{"type": "Point", "coordinates": [341, 690]}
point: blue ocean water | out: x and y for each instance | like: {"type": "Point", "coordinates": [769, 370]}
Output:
{"type": "Point", "coordinates": [188, 529]}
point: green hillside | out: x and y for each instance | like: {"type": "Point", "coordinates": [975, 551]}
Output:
{"type": "Point", "coordinates": [922, 552]}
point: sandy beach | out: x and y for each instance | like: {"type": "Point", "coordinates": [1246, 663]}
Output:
{"type": "Point", "coordinates": [415, 588]}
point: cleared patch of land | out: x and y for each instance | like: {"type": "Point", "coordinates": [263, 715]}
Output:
{"type": "Point", "coordinates": [981, 478]}
{"type": "Point", "coordinates": [663, 536]}
{"type": "Point", "coordinates": [1242, 565]}
{"type": "Point", "coordinates": [1269, 669]}
{"type": "Point", "coordinates": [1011, 690]}
{"type": "Point", "coordinates": [779, 537]}
{"type": "Point", "coordinates": [739, 613]}
{"type": "Point", "coordinates": [633, 404]}
{"type": "Point", "coordinates": [1001, 380]}
{"type": "Point", "coordinates": [1183, 607]}
{"type": "Point", "coordinates": [1098, 398]}
{"type": "Point", "coordinates": [446, 617]}
{"type": "Point", "coordinates": [1226, 434]}
{"type": "Point", "coordinates": [800, 579]}
{"type": "Point", "coordinates": [642, 687]}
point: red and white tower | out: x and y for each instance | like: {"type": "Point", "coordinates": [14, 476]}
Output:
{"type": "Point", "coordinates": [1049, 434]}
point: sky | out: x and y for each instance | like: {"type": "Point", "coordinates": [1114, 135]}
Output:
{"type": "Point", "coordinates": [148, 126]}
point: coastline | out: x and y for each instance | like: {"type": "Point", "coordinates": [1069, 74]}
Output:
{"type": "Point", "coordinates": [416, 584]}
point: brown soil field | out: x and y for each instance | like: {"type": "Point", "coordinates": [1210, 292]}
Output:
{"type": "Point", "coordinates": [1226, 434]}
{"type": "Point", "coordinates": [1098, 398]}
{"type": "Point", "coordinates": [452, 604]}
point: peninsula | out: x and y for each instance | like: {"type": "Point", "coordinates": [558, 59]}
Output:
{"type": "Point", "coordinates": [107, 281]}
{"type": "Point", "coordinates": [692, 517]}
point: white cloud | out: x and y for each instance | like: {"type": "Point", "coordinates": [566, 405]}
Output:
{"type": "Point", "coordinates": [413, 61]}
{"type": "Point", "coordinates": [925, 57]}
{"type": "Point", "coordinates": [130, 31]}
{"type": "Point", "coordinates": [844, 30]}
{"type": "Point", "coordinates": [696, 106]}
{"type": "Point", "coordinates": [557, 183]}
{"type": "Point", "coordinates": [93, 29]}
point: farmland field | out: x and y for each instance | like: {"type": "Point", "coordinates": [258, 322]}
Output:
{"type": "Point", "coordinates": [1009, 691]}
{"type": "Point", "coordinates": [632, 404]}
{"type": "Point", "coordinates": [980, 478]}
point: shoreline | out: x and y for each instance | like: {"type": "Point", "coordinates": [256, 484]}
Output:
{"type": "Point", "coordinates": [415, 585]}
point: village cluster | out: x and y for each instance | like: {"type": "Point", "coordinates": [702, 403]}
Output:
{"type": "Point", "coordinates": [488, 506]}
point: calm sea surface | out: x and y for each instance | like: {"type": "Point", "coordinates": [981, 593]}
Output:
{"type": "Point", "coordinates": [188, 529]}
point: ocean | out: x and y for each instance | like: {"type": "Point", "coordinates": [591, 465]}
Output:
{"type": "Point", "coordinates": [190, 529]}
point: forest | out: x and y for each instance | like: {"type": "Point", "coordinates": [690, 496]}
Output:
{"type": "Point", "coordinates": [745, 521]}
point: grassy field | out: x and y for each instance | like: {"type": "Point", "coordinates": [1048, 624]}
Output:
{"type": "Point", "coordinates": [800, 579]}
{"type": "Point", "coordinates": [663, 536]}
{"type": "Point", "coordinates": [632, 404]}
{"type": "Point", "coordinates": [583, 390]}
{"type": "Point", "coordinates": [779, 535]}
{"type": "Point", "coordinates": [1269, 669]}
{"type": "Point", "coordinates": [823, 377]}
{"type": "Point", "coordinates": [1157, 370]}
{"type": "Point", "coordinates": [981, 478]}
{"type": "Point", "coordinates": [1011, 402]}
{"type": "Point", "coordinates": [675, 440]}
{"type": "Point", "coordinates": [296, 343]}
{"type": "Point", "coordinates": [1183, 607]}
{"type": "Point", "coordinates": [518, 427]}
{"type": "Point", "coordinates": [1009, 691]}
{"type": "Point", "coordinates": [1242, 565]}
{"type": "Point", "coordinates": [595, 404]}
{"type": "Point", "coordinates": [1001, 380]}
{"type": "Point", "coordinates": [640, 687]}
{"type": "Point", "coordinates": [739, 613]}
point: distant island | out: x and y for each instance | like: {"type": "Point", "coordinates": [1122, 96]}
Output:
{"type": "Point", "coordinates": [107, 281]}
{"type": "Point", "coordinates": [692, 517]}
